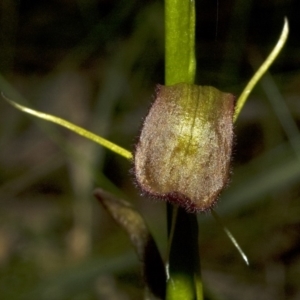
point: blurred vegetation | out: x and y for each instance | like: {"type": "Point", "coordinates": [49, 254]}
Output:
{"type": "Point", "coordinates": [96, 64]}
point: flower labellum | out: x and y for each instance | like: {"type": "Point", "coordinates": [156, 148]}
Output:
{"type": "Point", "coordinates": [184, 149]}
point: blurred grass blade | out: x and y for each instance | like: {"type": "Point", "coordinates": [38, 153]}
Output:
{"type": "Point", "coordinates": [76, 280]}
{"type": "Point", "coordinates": [266, 175]}
{"type": "Point", "coordinates": [231, 237]}
{"type": "Point", "coordinates": [79, 130]}
{"type": "Point", "coordinates": [278, 103]}
{"type": "Point", "coordinates": [262, 70]}
{"type": "Point", "coordinates": [134, 225]}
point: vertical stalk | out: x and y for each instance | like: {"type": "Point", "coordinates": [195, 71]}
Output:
{"type": "Point", "coordinates": [183, 266]}
{"type": "Point", "coordinates": [180, 62]}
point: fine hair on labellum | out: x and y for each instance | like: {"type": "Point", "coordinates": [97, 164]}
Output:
{"type": "Point", "coordinates": [184, 149]}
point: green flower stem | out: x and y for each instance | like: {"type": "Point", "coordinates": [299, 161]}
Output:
{"type": "Point", "coordinates": [183, 263]}
{"type": "Point", "coordinates": [183, 267]}
{"type": "Point", "coordinates": [180, 62]}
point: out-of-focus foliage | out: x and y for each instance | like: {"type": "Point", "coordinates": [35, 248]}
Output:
{"type": "Point", "coordinates": [96, 64]}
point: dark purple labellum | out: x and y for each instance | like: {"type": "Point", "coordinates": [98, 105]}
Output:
{"type": "Point", "coordinates": [184, 150]}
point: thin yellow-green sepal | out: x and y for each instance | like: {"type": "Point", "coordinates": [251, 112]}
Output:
{"type": "Point", "coordinates": [231, 237]}
{"type": "Point", "coordinates": [262, 70]}
{"type": "Point", "coordinates": [240, 104]}
{"type": "Point", "coordinates": [79, 130]}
